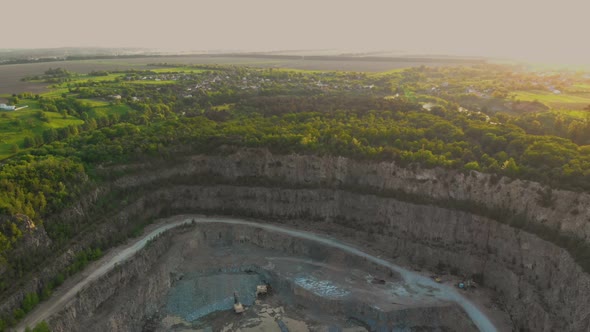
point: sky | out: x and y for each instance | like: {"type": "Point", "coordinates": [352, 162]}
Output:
{"type": "Point", "coordinates": [538, 30]}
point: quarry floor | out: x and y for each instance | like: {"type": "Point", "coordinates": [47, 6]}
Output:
{"type": "Point", "coordinates": [271, 313]}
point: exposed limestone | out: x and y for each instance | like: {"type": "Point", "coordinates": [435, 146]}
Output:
{"type": "Point", "coordinates": [570, 211]}
{"type": "Point", "coordinates": [539, 283]}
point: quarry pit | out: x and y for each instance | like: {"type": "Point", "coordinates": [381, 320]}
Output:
{"type": "Point", "coordinates": [339, 241]}
{"type": "Point", "coordinates": [183, 274]}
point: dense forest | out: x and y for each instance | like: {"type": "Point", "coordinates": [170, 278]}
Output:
{"type": "Point", "coordinates": [411, 117]}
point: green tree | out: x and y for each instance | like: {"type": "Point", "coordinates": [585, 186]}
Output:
{"type": "Point", "coordinates": [41, 327]}
{"type": "Point", "coordinates": [510, 167]}
{"type": "Point", "coordinates": [29, 142]}
{"type": "Point", "coordinates": [18, 314]}
{"type": "Point", "coordinates": [473, 165]}
{"type": "Point", "coordinates": [30, 301]}
{"type": "Point", "coordinates": [49, 135]}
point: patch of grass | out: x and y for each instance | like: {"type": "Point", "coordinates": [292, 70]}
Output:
{"type": "Point", "coordinates": [104, 108]}
{"type": "Point", "coordinates": [581, 87]}
{"type": "Point", "coordinates": [56, 91]}
{"type": "Point", "coordinates": [16, 125]}
{"type": "Point", "coordinates": [86, 78]}
{"type": "Point", "coordinates": [579, 114]}
{"type": "Point", "coordinates": [150, 82]}
{"type": "Point", "coordinates": [178, 70]}
{"type": "Point", "coordinates": [224, 107]}
{"type": "Point", "coordinates": [91, 64]}
{"type": "Point", "coordinates": [563, 100]}
{"type": "Point", "coordinates": [387, 72]}
{"type": "Point", "coordinates": [305, 71]}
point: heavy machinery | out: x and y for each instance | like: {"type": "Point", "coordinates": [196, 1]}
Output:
{"type": "Point", "coordinates": [238, 307]}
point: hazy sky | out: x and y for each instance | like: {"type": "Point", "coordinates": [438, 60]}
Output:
{"type": "Point", "coordinates": [537, 29]}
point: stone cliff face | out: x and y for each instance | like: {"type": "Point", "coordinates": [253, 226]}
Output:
{"type": "Point", "coordinates": [141, 293]}
{"type": "Point", "coordinates": [568, 211]}
{"type": "Point", "coordinates": [540, 284]}
{"type": "Point", "coordinates": [34, 241]}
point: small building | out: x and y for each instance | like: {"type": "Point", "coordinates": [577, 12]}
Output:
{"type": "Point", "coordinates": [4, 107]}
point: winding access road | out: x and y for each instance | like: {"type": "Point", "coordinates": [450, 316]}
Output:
{"type": "Point", "coordinates": [64, 295]}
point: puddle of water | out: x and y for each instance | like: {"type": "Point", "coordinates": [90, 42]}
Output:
{"type": "Point", "coordinates": [197, 296]}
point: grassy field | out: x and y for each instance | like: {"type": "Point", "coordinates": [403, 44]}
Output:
{"type": "Point", "coordinates": [580, 87]}
{"type": "Point", "coordinates": [177, 70]}
{"type": "Point", "coordinates": [556, 101]}
{"type": "Point", "coordinates": [579, 114]}
{"type": "Point", "coordinates": [148, 82]}
{"type": "Point", "coordinates": [85, 79]}
{"type": "Point", "coordinates": [102, 108]}
{"type": "Point", "coordinates": [224, 107]}
{"type": "Point", "coordinates": [16, 125]}
{"type": "Point", "coordinates": [56, 91]}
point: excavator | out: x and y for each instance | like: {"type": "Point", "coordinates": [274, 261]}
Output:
{"type": "Point", "coordinates": [238, 307]}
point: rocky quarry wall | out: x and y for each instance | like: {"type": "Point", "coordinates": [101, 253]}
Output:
{"type": "Point", "coordinates": [136, 281]}
{"type": "Point", "coordinates": [540, 284]}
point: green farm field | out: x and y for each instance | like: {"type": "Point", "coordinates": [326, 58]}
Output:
{"type": "Point", "coordinates": [16, 125]}
{"type": "Point", "coordinates": [565, 100]}
{"type": "Point", "coordinates": [102, 108]}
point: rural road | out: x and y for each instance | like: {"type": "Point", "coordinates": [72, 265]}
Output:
{"type": "Point", "coordinates": [116, 256]}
